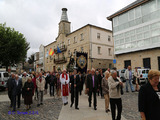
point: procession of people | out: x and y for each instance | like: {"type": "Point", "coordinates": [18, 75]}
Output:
{"type": "Point", "coordinates": [73, 84]}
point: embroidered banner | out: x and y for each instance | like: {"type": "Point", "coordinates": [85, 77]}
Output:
{"type": "Point", "coordinates": [82, 62]}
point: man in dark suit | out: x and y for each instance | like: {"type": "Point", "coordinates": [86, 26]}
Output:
{"type": "Point", "coordinates": [75, 85]}
{"type": "Point", "coordinates": [47, 79]}
{"type": "Point", "coordinates": [52, 82]}
{"type": "Point", "coordinates": [16, 91]}
{"type": "Point", "coordinates": [100, 76]}
{"type": "Point", "coordinates": [9, 88]}
{"type": "Point", "coordinates": [80, 86]}
{"type": "Point", "coordinates": [92, 87]}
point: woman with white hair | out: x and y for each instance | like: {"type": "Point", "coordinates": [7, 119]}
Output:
{"type": "Point", "coordinates": [105, 89]}
{"type": "Point", "coordinates": [115, 85]}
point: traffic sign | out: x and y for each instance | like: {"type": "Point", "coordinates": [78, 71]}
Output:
{"type": "Point", "coordinates": [114, 61]}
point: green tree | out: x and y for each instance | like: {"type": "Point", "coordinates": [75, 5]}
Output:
{"type": "Point", "coordinates": [13, 46]}
{"type": "Point", "coordinates": [31, 59]}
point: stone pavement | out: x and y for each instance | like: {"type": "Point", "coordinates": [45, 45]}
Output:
{"type": "Point", "coordinates": [85, 112]}
{"type": "Point", "coordinates": [130, 106]}
{"type": "Point", "coordinates": [52, 108]}
{"type": "Point", "coordinates": [48, 111]}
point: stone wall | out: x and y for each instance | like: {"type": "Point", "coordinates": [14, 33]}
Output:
{"type": "Point", "coordinates": [137, 58]}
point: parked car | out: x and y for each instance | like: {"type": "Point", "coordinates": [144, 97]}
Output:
{"type": "Point", "coordinates": [143, 75]}
{"type": "Point", "coordinates": [4, 76]}
{"type": "Point", "coordinates": [121, 74]}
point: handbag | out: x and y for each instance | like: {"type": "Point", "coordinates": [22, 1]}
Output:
{"type": "Point", "coordinates": [23, 92]}
{"type": "Point", "coordinates": [134, 80]}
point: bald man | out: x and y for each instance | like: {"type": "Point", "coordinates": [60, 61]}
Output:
{"type": "Point", "coordinates": [92, 87]}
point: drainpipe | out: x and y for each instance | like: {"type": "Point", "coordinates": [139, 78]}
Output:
{"type": "Point", "coordinates": [91, 46]}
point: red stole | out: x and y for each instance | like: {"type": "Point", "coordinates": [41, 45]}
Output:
{"type": "Point", "coordinates": [40, 79]}
{"type": "Point", "coordinates": [65, 87]}
{"type": "Point", "coordinates": [64, 77]}
{"type": "Point", "coordinates": [65, 90]}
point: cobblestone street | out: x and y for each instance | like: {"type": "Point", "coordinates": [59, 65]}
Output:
{"type": "Point", "coordinates": [52, 107]}
{"type": "Point", "coordinates": [130, 106]}
{"type": "Point", "coordinates": [48, 111]}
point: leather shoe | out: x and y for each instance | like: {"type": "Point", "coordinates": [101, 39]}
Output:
{"type": "Point", "coordinates": [71, 105]}
{"type": "Point", "coordinates": [107, 110]}
{"type": "Point", "coordinates": [77, 108]}
{"type": "Point", "coordinates": [95, 108]}
{"type": "Point", "coordinates": [89, 105]}
{"type": "Point", "coordinates": [65, 104]}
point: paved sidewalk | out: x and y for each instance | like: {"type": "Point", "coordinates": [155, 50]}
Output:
{"type": "Point", "coordinates": [85, 112]}
{"type": "Point", "coordinates": [4, 98]}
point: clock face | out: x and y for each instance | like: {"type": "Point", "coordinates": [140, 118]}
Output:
{"type": "Point", "coordinates": [81, 61]}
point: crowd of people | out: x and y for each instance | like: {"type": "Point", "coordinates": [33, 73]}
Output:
{"type": "Point", "coordinates": [108, 85]}
{"type": "Point", "coordinates": [31, 86]}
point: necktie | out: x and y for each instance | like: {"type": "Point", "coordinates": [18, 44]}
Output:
{"type": "Point", "coordinates": [93, 81]}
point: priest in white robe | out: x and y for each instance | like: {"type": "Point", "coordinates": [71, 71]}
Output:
{"type": "Point", "coordinates": [64, 78]}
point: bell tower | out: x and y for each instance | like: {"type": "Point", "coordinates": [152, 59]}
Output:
{"type": "Point", "coordinates": [64, 25]}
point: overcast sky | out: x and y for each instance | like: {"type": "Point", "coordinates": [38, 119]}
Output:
{"type": "Point", "coordinates": [38, 19]}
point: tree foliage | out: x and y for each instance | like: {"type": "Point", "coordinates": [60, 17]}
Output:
{"type": "Point", "coordinates": [13, 46]}
{"type": "Point", "coordinates": [31, 59]}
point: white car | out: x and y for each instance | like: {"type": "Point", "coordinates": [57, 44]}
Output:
{"type": "Point", "coordinates": [4, 76]}
{"type": "Point", "coordinates": [143, 75]}
{"type": "Point", "coordinates": [121, 74]}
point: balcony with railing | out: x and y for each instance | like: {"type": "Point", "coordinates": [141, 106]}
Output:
{"type": "Point", "coordinates": [60, 60]}
{"type": "Point", "coordinates": [62, 49]}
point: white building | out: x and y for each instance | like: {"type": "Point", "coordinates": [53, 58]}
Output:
{"type": "Point", "coordinates": [136, 31]}
{"type": "Point", "coordinates": [41, 58]}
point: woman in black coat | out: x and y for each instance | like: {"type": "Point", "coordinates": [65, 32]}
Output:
{"type": "Point", "coordinates": [149, 97]}
{"type": "Point", "coordinates": [28, 93]}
